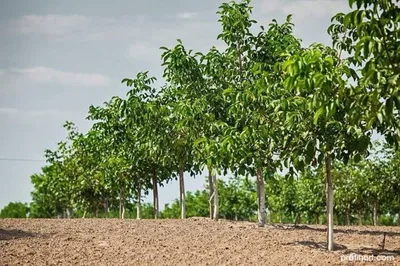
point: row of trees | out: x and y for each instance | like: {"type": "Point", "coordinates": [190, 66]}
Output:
{"type": "Point", "coordinates": [263, 104]}
{"type": "Point", "coordinates": [365, 193]}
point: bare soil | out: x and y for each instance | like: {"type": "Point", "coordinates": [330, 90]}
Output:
{"type": "Point", "coordinates": [194, 241]}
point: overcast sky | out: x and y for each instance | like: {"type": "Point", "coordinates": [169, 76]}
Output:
{"type": "Point", "coordinates": [58, 57]}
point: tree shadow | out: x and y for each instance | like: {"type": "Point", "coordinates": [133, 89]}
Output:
{"type": "Point", "coordinates": [346, 250]}
{"type": "Point", "coordinates": [16, 234]}
{"type": "Point", "coordinates": [337, 230]}
{"type": "Point", "coordinates": [317, 245]}
{"type": "Point", "coordinates": [374, 251]}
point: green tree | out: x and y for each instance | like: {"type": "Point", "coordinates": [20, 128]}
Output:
{"type": "Point", "coordinates": [15, 210]}
{"type": "Point", "coordinates": [370, 35]}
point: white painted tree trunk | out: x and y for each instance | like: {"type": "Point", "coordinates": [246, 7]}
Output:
{"type": "Point", "coordinates": [122, 203]}
{"type": "Point", "coordinates": [329, 201]}
{"type": "Point", "coordinates": [211, 194]}
{"type": "Point", "coordinates": [216, 197]}
{"type": "Point", "coordinates": [262, 217]}
{"type": "Point", "coordinates": [375, 213]}
{"type": "Point", "coordinates": [106, 207]}
{"type": "Point", "coordinates": [70, 213]}
{"type": "Point", "coordinates": [398, 218]}
{"type": "Point", "coordinates": [182, 193]}
{"type": "Point", "coordinates": [139, 201]}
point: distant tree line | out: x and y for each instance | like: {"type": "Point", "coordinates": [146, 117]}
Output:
{"type": "Point", "coordinates": [365, 192]}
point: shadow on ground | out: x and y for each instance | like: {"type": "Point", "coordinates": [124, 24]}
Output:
{"type": "Point", "coordinates": [16, 234]}
{"type": "Point", "coordinates": [339, 247]}
{"type": "Point", "coordinates": [344, 231]}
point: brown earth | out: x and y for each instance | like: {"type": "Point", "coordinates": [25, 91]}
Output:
{"type": "Point", "coordinates": [194, 241]}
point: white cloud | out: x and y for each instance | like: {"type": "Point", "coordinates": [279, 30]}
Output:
{"type": "Point", "coordinates": [77, 27]}
{"type": "Point", "coordinates": [30, 113]}
{"type": "Point", "coordinates": [186, 15]}
{"type": "Point", "coordinates": [8, 110]}
{"type": "Point", "coordinates": [49, 75]}
{"type": "Point", "coordinates": [50, 24]}
{"type": "Point", "coordinates": [303, 9]}
{"type": "Point", "coordinates": [142, 50]}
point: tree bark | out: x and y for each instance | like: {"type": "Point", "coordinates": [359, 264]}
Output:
{"type": "Point", "coordinates": [317, 219]}
{"type": "Point", "coordinates": [139, 200]}
{"type": "Point", "coordinates": [122, 203]}
{"type": "Point", "coordinates": [216, 197]}
{"type": "Point", "coordinates": [398, 218]}
{"type": "Point", "coordinates": [360, 217]}
{"type": "Point", "coordinates": [329, 200]}
{"type": "Point", "coordinates": [210, 194]}
{"type": "Point", "coordinates": [155, 195]}
{"type": "Point", "coordinates": [375, 214]}
{"type": "Point", "coordinates": [262, 217]}
{"type": "Point", "coordinates": [348, 217]}
{"type": "Point", "coordinates": [182, 193]}
{"type": "Point", "coordinates": [106, 207]}
{"type": "Point", "coordinates": [70, 213]}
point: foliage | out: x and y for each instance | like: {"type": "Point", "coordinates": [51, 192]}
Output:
{"type": "Point", "coordinates": [15, 210]}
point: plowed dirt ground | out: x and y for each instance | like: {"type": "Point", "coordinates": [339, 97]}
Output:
{"type": "Point", "coordinates": [194, 241]}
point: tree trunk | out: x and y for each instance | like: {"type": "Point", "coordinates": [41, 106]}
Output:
{"type": "Point", "coordinates": [398, 218]}
{"type": "Point", "coordinates": [182, 193]}
{"type": "Point", "coordinates": [261, 198]}
{"type": "Point", "coordinates": [348, 217]}
{"type": "Point", "coordinates": [210, 194]}
{"type": "Point", "coordinates": [122, 203]}
{"type": "Point", "coordinates": [375, 213]}
{"type": "Point", "coordinates": [317, 219]}
{"type": "Point", "coordinates": [155, 195]}
{"type": "Point", "coordinates": [216, 197]}
{"type": "Point", "coordinates": [360, 217]}
{"type": "Point", "coordinates": [329, 201]}
{"type": "Point", "coordinates": [106, 207]}
{"type": "Point", "coordinates": [97, 211]}
{"type": "Point", "coordinates": [70, 213]}
{"type": "Point", "coordinates": [84, 214]}
{"type": "Point", "coordinates": [139, 200]}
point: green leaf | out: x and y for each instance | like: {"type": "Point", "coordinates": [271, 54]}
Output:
{"type": "Point", "coordinates": [329, 59]}
{"type": "Point", "coordinates": [198, 141]}
{"type": "Point", "coordinates": [380, 117]}
{"type": "Point", "coordinates": [318, 114]}
{"type": "Point", "coordinates": [389, 106]}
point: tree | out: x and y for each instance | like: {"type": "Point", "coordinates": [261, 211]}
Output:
{"type": "Point", "coordinates": [15, 210]}
{"type": "Point", "coordinates": [316, 116]}
{"type": "Point", "coordinates": [145, 114]}
{"type": "Point", "coordinates": [186, 82]}
{"type": "Point", "coordinates": [370, 35]}
{"type": "Point", "coordinates": [248, 141]}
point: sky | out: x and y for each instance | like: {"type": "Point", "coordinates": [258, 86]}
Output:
{"type": "Point", "coordinates": [59, 57]}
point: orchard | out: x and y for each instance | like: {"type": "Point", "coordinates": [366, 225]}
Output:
{"type": "Point", "coordinates": [293, 126]}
